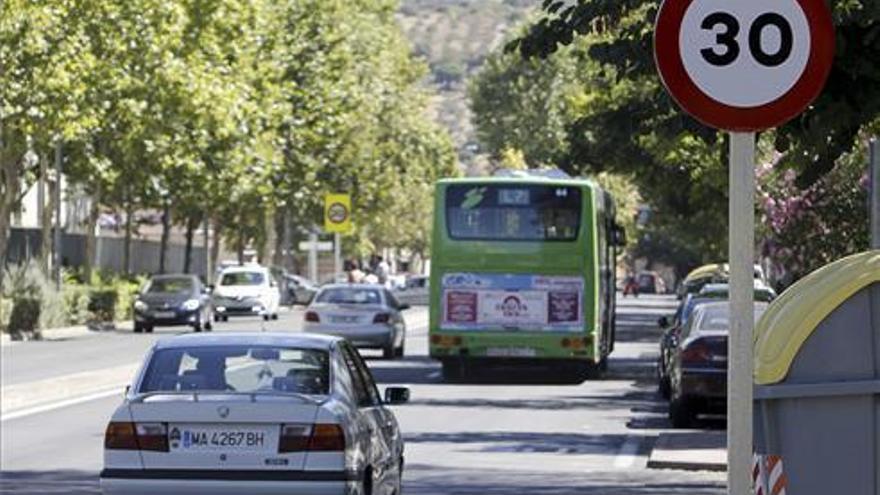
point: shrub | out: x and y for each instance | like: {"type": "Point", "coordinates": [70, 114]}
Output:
{"type": "Point", "coordinates": [25, 317]}
{"type": "Point", "coordinates": [76, 304]}
{"type": "Point", "coordinates": [5, 313]}
{"type": "Point", "coordinates": [102, 304]}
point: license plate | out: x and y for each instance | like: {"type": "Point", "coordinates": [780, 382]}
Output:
{"type": "Point", "coordinates": [200, 438]}
{"type": "Point", "coordinates": [164, 314]}
{"type": "Point", "coordinates": [511, 352]}
{"type": "Point", "coordinates": [344, 319]}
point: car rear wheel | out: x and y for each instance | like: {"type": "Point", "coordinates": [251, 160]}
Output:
{"type": "Point", "coordinates": [266, 317]}
{"type": "Point", "coordinates": [682, 412]}
{"type": "Point", "coordinates": [138, 328]}
{"type": "Point", "coordinates": [275, 316]}
{"type": "Point", "coordinates": [148, 328]}
{"type": "Point", "coordinates": [209, 326]}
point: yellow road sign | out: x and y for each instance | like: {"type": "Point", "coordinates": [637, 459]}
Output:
{"type": "Point", "coordinates": [337, 213]}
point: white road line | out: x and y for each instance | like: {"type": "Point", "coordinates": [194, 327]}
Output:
{"type": "Point", "coordinates": [30, 411]}
{"type": "Point", "coordinates": [628, 453]}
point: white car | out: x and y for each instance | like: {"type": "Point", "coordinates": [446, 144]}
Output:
{"type": "Point", "coordinates": [256, 413]}
{"type": "Point", "coordinates": [248, 290]}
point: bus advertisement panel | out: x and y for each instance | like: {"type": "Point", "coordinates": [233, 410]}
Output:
{"type": "Point", "coordinates": [511, 302]}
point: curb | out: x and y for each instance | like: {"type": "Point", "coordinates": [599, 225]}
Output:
{"type": "Point", "coordinates": [64, 333]}
{"type": "Point", "coordinates": [690, 451]}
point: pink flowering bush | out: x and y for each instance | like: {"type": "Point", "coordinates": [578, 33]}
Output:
{"type": "Point", "coordinates": [804, 229]}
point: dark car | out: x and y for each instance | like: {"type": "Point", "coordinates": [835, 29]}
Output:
{"type": "Point", "coordinates": [171, 300]}
{"type": "Point", "coordinates": [698, 365]}
{"type": "Point", "coordinates": [300, 290]}
{"type": "Point", "coordinates": [669, 339]}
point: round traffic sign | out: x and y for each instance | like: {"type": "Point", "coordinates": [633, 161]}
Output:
{"type": "Point", "coordinates": [746, 65]}
{"type": "Point", "coordinates": [337, 213]}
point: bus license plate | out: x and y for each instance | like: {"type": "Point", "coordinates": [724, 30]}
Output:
{"type": "Point", "coordinates": [511, 352]}
{"type": "Point", "coordinates": [207, 438]}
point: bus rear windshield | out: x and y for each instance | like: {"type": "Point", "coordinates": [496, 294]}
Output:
{"type": "Point", "coordinates": [513, 212]}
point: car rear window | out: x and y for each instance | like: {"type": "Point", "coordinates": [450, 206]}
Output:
{"type": "Point", "coordinates": [247, 369]}
{"type": "Point", "coordinates": [243, 278]}
{"type": "Point", "coordinates": [169, 286]}
{"type": "Point", "coordinates": [349, 295]}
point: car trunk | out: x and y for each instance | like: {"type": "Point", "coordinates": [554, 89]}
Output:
{"type": "Point", "coordinates": [223, 431]}
{"type": "Point", "coordinates": [348, 314]}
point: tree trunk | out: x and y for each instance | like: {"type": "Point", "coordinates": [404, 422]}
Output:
{"type": "Point", "coordinates": [10, 182]}
{"type": "Point", "coordinates": [46, 208]}
{"type": "Point", "coordinates": [239, 245]}
{"type": "Point", "coordinates": [191, 223]}
{"type": "Point", "coordinates": [280, 236]}
{"type": "Point", "coordinates": [215, 251]}
{"type": "Point", "coordinates": [91, 236]}
{"type": "Point", "coordinates": [126, 246]}
{"type": "Point", "coordinates": [166, 232]}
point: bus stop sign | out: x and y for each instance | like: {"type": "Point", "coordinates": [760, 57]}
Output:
{"type": "Point", "coordinates": [744, 65]}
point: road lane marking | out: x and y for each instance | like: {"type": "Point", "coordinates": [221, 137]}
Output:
{"type": "Point", "coordinates": [30, 411]}
{"type": "Point", "coordinates": [628, 453]}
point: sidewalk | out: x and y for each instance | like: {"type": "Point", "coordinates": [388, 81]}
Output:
{"type": "Point", "coordinates": [690, 451]}
{"type": "Point", "coordinates": [64, 333]}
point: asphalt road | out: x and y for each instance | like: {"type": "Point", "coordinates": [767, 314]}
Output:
{"type": "Point", "coordinates": [501, 434]}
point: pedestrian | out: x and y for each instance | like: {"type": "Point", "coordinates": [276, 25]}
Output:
{"type": "Point", "coordinates": [383, 271]}
{"type": "Point", "coordinates": [355, 275]}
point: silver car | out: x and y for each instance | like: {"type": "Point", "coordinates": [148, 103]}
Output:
{"type": "Point", "coordinates": [254, 413]}
{"type": "Point", "coordinates": [369, 316]}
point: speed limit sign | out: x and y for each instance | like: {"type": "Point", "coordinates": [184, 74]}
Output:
{"type": "Point", "coordinates": [744, 65]}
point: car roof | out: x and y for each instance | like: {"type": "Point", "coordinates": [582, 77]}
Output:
{"type": "Point", "coordinates": [166, 276]}
{"type": "Point", "coordinates": [353, 286]}
{"type": "Point", "coordinates": [245, 269]}
{"type": "Point", "coordinates": [307, 341]}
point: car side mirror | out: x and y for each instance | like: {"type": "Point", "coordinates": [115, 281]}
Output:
{"type": "Point", "coordinates": [663, 322]}
{"type": "Point", "coordinates": [127, 390]}
{"type": "Point", "coordinates": [403, 307]}
{"type": "Point", "coordinates": [396, 395]}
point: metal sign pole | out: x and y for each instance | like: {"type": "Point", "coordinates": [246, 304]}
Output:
{"type": "Point", "coordinates": [875, 193]}
{"type": "Point", "coordinates": [313, 257]}
{"type": "Point", "coordinates": [742, 304]}
{"type": "Point", "coordinates": [59, 158]}
{"type": "Point", "coordinates": [337, 254]}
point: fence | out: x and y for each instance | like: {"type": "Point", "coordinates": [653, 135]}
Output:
{"type": "Point", "coordinates": [26, 244]}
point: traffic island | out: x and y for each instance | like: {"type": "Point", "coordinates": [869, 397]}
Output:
{"type": "Point", "coordinates": [690, 451]}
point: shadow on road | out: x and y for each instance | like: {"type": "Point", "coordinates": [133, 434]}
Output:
{"type": "Point", "coordinates": [43, 482]}
{"type": "Point", "coordinates": [431, 480]}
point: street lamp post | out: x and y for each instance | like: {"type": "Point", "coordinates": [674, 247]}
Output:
{"type": "Point", "coordinates": [59, 156]}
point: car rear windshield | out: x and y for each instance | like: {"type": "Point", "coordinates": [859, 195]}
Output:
{"type": "Point", "coordinates": [351, 295]}
{"type": "Point", "coordinates": [716, 318]}
{"type": "Point", "coordinates": [169, 285]}
{"type": "Point", "coordinates": [238, 368]}
{"type": "Point", "coordinates": [513, 212]}
{"type": "Point", "coordinates": [243, 278]}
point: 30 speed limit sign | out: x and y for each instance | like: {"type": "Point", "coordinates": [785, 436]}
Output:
{"type": "Point", "coordinates": [744, 65]}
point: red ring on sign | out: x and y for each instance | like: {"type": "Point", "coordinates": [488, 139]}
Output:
{"type": "Point", "coordinates": [667, 56]}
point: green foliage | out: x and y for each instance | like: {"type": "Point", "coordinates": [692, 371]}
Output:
{"type": "Point", "coordinates": [25, 317]}
{"type": "Point", "coordinates": [102, 304]}
{"type": "Point", "coordinates": [236, 111]}
{"type": "Point", "coordinates": [5, 313]}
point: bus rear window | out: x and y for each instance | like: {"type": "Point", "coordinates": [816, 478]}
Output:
{"type": "Point", "coordinates": [513, 212]}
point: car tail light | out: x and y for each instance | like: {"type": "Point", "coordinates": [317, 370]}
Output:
{"type": "Point", "coordinates": [152, 436]}
{"type": "Point", "coordinates": [382, 318]}
{"type": "Point", "coordinates": [120, 436]}
{"type": "Point", "coordinates": [312, 317]}
{"type": "Point", "coordinates": [696, 352]}
{"type": "Point", "coordinates": [136, 436]}
{"type": "Point", "coordinates": [327, 438]}
{"type": "Point", "coordinates": [315, 438]}
{"type": "Point", "coordinates": [294, 438]}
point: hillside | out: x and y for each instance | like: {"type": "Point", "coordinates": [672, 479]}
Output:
{"type": "Point", "coordinates": [454, 37]}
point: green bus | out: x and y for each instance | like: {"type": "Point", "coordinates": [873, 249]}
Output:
{"type": "Point", "coordinates": [523, 272]}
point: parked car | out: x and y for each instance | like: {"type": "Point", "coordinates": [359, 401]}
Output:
{"type": "Point", "coordinates": [367, 315]}
{"type": "Point", "coordinates": [698, 366]}
{"type": "Point", "coordinates": [248, 290]}
{"type": "Point", "coordinates": [254, 413]}
{"type": "Point", "coordinates": [171, 300]}
{"type": "Point", "coordinates": [300, 290]}
{"type": "Point", "coordinates": [651, 283]}
{"type": "Point", "coordinates": [763, 293]}
{"type": "Point", "coordinates": [416, 291]}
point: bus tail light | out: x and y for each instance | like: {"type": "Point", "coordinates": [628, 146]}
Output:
{"type": "Point", "coordinates": [447, 340]}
